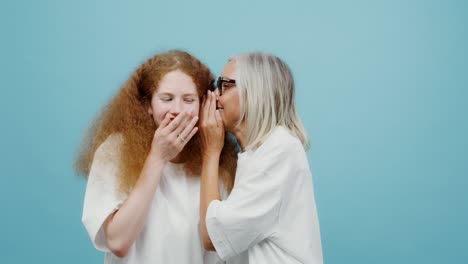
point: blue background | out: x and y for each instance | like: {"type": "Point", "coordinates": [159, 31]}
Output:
{"type": "Point", "coordinates": [381, 87]}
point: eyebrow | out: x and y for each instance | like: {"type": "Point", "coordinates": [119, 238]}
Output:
{"type": "Point", "coordinates": [186, 94]}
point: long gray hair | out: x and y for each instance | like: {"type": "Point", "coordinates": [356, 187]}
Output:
{"type": "Point", "coordinates": [266, 89]}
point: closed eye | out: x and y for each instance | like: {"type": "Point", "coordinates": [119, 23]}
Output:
{"type": "Point", "coordinates": [227, 85]}
{"type": "Point", "coordinates": [165, 99]}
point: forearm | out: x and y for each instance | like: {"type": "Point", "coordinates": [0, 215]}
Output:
{"type": "Point", "coordinates": [123, 227]}
{"type": "Point", "coordinates": [208, 192]}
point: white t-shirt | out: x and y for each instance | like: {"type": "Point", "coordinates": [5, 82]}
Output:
{"type": "Point", "coordinates": [171, 234]}
{"type": "Point", "coordinates": [270, 214]}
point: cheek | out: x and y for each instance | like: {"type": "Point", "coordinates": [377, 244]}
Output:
{"type": "Point", "coordinates": [194, 108]}
{"type": "Point", "coordinates": [230, 102]}
{"type": "Point", "coordinates": [236, 99]}
{"type": "Point", "coordinates": [159, 112]}
{"type": "Point", "coordinates": [221, 102]}
{"type": "Point", "coordinates": [234, 109]}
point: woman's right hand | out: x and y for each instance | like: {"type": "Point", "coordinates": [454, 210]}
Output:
{"type": "Point", "coordinates": [212, 128]}
{"type": "Point", "coordinates": [171, 136]}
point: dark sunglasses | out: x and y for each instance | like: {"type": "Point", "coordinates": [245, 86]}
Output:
{"type": "Point", "coordinates": [220, 84]}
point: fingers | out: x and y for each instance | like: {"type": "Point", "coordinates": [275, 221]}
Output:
{"type": "Point", "coordinates": [191, 134]}
{"type": "Point", "coordinates": [181, 127]}
{"type": "Point", "coordinates": [176, 123]}
{"type": "Point", "coordinates": [210, 117]}
{"type": "Point", "coordinates": [187, 130]}
{"type": "Point", "coordinates": [166, 120]}
{"type": "Point", "coordinates": [206, 105]}
{"type": "Point", "coordinates": [212, 104]}
{"type": "Point", "coordinates": [219, 121]}
{"type": "Point", "coordinates": [204, 99]}
{"type": "Point", "coordinates": [209, 106]}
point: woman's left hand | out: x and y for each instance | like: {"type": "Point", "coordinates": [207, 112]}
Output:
{"type": "Point", "coordinates": [211, 126]}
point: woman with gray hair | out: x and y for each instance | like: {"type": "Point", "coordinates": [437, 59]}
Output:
{"type": "Point", "coordinates": [270, 216]}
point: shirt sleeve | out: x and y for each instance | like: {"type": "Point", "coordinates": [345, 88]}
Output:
{"type": "Point", "coordinates": [250, 213]}
{"type": "Point", "coordinates": [102, 197]}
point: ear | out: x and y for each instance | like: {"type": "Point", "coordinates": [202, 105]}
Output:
{"type": "Point", "coordinates": [150, 110]}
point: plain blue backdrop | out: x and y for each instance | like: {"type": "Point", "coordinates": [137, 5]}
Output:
{"type": "Point", "coordinates": [381, 87]}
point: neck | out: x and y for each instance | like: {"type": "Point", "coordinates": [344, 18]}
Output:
{"type": "Point", "coordinates": [239, 133]}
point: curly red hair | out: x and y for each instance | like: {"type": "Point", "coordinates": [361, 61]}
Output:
{"type": "Point", "coordinates": [127, 114]}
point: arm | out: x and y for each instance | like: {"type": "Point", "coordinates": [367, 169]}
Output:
{"type": "Point", "coordinates": [212, 134]}
{"type": "Point", "coordinates": [208, 192]}
{"type": "Point", "coordinates": [251, 213]}
{"type": "Point", "coordinates": [123, 226]}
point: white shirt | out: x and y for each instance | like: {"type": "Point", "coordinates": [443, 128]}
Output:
{"type": "Point", "coordinates": [171, 234]}
{"type": "Point", "coordinates": [270, 214]}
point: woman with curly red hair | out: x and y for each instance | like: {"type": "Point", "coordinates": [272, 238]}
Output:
{"type": "Point", "coordinates": [142, 158]}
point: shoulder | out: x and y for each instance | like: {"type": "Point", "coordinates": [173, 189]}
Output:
{"type": "Point", "coordinates": [282, 142]}
{"type": "Point", "coordinates": [109, 148]}
{"type": "Point", "coordinates": [280, 148]}
{"type": "Point", "coordinates": [105, 168]}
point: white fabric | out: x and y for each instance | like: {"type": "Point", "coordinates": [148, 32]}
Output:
{"type": "Point", "coordinates": [270, 214]}
{"type": "Point", "coordinates": [171, 234]}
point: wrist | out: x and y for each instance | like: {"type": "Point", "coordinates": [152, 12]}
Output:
{"type": "Point", "coordinates": [155, 158]}
{"type": "Point", "coordinates": [211, 157]}
{"type": "Point", "coordinates": [211, 153]}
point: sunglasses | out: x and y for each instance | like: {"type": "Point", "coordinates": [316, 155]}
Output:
{"type": "Point", "coordinates": [223, 83]}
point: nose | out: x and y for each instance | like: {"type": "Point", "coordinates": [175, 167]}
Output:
{"type": "Point", "coordinates": [176, 107]}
